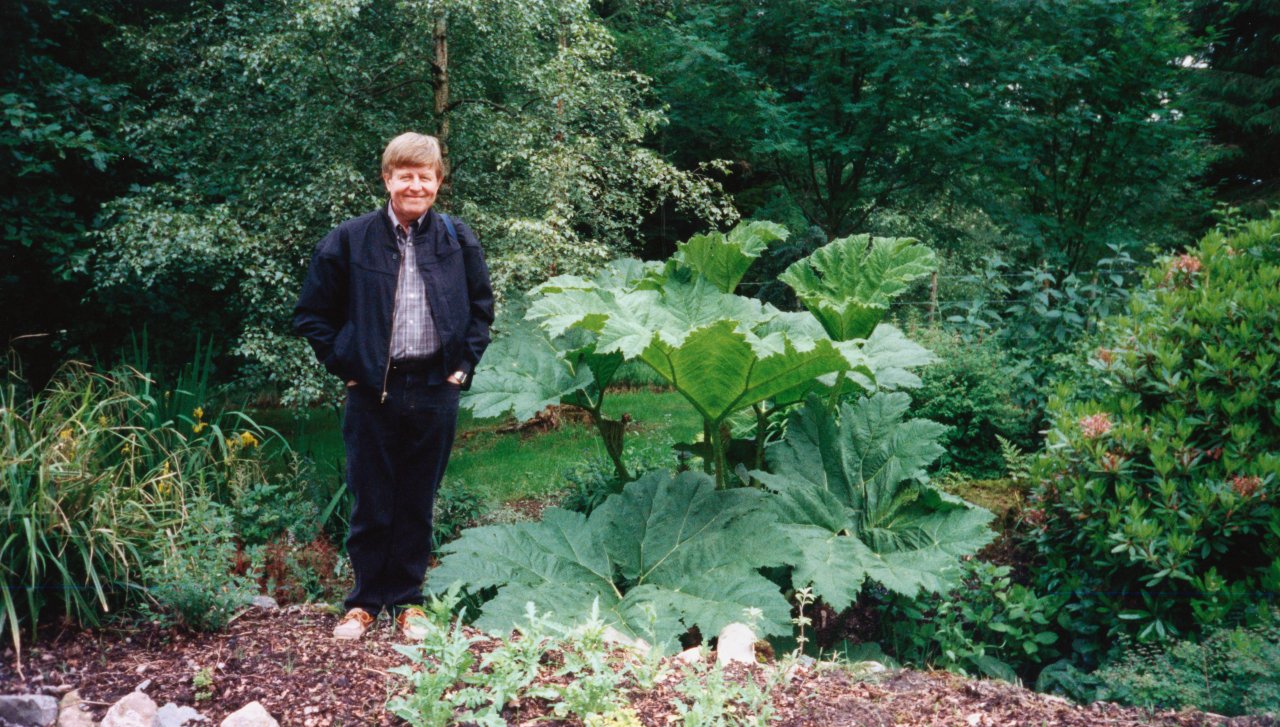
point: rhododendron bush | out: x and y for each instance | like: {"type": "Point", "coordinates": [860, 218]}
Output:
{"type": "Point", "coordinates": [1155, 506]}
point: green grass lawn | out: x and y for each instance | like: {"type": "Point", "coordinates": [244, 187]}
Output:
{"type": "Point", "coordinates": [502, 467]}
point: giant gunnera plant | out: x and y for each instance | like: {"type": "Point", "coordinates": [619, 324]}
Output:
{"type": "Point", "coordinates": [844, 497]}
{"type": "Point", "coordinates": [1156, 504]}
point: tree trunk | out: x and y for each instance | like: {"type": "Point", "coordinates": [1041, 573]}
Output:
{"type": "Point", "coordinates": [440, 80]}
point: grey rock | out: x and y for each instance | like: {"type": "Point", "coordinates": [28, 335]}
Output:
{"type": "Point", "coordinates": [71, 713]}
{"type": "Point", "coordinates": [171, 715]}
{"type": "Point", "coordinates": [28, 710]}
{"type": "Point", "coordinates": [691, 655]}
{"type": "Point", "coordinates": [614, 636]}
{"type": "Point", "coordinates": [866, 669]}
{"type": "Point", "coordinates": [265, 602]}
{"type": "Point", "coordinates": [134, 709]}
{"type": "Point", "coordinates": [252, 714]}
{"type": "Point", "coordinates": [736, 643]}
{"type": "Point", "coordinates": [143, 686]}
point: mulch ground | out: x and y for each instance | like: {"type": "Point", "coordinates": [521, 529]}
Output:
{"type": "Point", "coordinates": [286, 659]}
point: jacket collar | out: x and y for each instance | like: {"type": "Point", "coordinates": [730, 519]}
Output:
{"type": "Point", "coordinates": [427, 225]}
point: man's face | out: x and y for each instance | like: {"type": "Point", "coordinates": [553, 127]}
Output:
{"type": "Point", "coordinates": [413, 191]}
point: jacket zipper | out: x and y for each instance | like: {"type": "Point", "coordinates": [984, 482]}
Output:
{"type": "Point", "coordinates": [391, 334]}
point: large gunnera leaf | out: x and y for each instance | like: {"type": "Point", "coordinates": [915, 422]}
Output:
{"type": "Point", "coordinates": [848, 283]}
{"type": "Point", "coordinates": [521, 374]}
{"type": "Point", "coordinates": [724, 259]}
{"type": "Point", "coordinates": [675, 549]}
{"type": "Point", "coordinates": [721, 370]}
{"type": "Point", "coordinates": [854, 503]}
{"type": "Point", "coordinates": [698, 338]}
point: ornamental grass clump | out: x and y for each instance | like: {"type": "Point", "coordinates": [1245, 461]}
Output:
{"type": "Point", "coordinates": [91, 471]}
{"type": "Point", "coordinates": [1156, 503]}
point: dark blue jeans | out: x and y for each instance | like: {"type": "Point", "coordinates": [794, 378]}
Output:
{"type": "Point", "coordinates": [397, 451]}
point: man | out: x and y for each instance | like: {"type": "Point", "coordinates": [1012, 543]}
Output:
{"type": "Point", "coordinates": [397, 303]}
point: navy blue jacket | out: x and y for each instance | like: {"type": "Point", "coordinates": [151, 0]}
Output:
{"type": "Point", "coordinates": [348, 298]}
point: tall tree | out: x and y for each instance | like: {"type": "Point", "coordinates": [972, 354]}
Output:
{"type": "Point", "coordinates": [1092, 137]}
{"type": "Point", "coordinates": [266, 120]}
{"type": "Point", "coordinates": [59, 114]}
{"type": "Point", "coordinates": [1239, 82]}
{"type": "Point", "coordinates": [845, 105]}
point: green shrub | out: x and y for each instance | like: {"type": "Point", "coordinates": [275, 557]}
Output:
{"type": "Point", "coordinates": [1231, 672]}
{"type": "Point", "coordinates": [1155, 504]}
{"type": "Point", "coordinates": [1036, 314]}
{"type": "Point", "coordinates": [190, 579]}
{"type": "Point", "coordinates": [987, 625]}
{"type": "Point", "coordinates": [455, 508]}
{"type": "Point", "coordinates": [968, 390]}
{"type": "Point", "coordinates": [265, 510]}
{"type": "Point", "coordinates": [590, 483]}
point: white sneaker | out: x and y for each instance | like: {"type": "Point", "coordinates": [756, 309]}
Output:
{"type": "Point", "coordinates": [353, 625]}
{"type": "Point", "coordinates": [413, 623]}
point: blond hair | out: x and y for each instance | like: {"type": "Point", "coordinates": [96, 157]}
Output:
{"type": "Point", "coordinates": [411, 149]}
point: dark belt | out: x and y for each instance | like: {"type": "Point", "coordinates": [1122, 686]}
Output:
{"type": "Point", "coordinates": [415, 366]}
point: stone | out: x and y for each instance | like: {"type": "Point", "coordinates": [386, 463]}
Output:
{"type": "Point", "coordinates": [28, 710]}
{"type": "Point", "coordinates": [171, 715]}
{"type": "Point", "coordinates": [143, 685]}
{"type": "Point", "coordinates": [252, 714]}
{"type": "Point", "coordinates": [736, 644]}
{"type": "Point", "coordinates": [265, 602]}
{"type": "Point", "coordinates": [691, 655]}
{"type": "Point", "coordinates": [614, 636]}
{"type": "Point", "coordinates": [71, 713]}
{"type": "Point", "coordinates": [134, 709]}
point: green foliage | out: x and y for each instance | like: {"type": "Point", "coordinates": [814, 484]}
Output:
{"type": "Point", "coordinates": [848, 283]}
{"type": "Point", "coordinates": [85, 485]}
{"type": "Point", "coordinates": [265, 117]}
{"type": "Point", "coordinates": [1039, 316]}
{"type": "Point", "coordinates": [589, 484]}
{"type": "Point", "coordinates": [522, 373]}
{"type": "Point", "coordinates": [573, 668]}
{"type": "Point", "coordinates": [675, 544]}
{"type": "Point", "coordinates": [1092, 138]}
{"type": "Point", "coordinates": [728, 354]}
{"type": "Point", "coordinates": [449, 685]}
{"type": "Point", "coordinates": [986, 625]}
{"type": "Point", "coordinates": [725, 259]}
{"type": "Point", "coordinates": [190, 575]}
{"type": "Point", "coordinates": [839, 123]}
{"type": "Point", "coordinates": [711, 700]}
{"type": "Point", "coordinates": [1066, 124]}
{"type": "Point", "coordinates": [62, 118]}
{"type": "Point", "coordinates": [266, 510]}
{"type": "Point", "coordinates": [1232, 671]}
{"type": "Point", "coordinates": [94, 466]}
{"type": "Point", "coordinates": [967, 390]}
{"type": "Point", "coordinates": [455, 509]}
{"type": "Point", "coordinates": [1239, 88]}
{"type": "Point", "coordinates": [854, 503]}
{"type": "Point", "coordinates": [1155, 508]}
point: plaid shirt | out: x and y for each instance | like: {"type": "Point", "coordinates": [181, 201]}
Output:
{"type": "Point", "coordinates": [413, 331]}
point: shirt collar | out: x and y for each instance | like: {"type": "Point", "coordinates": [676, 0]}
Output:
{"type": "Point", "coordinates": [395, 221]}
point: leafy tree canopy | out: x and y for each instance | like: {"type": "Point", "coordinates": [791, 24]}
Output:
{"type": "Point", "coordinates": [266, 121]}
